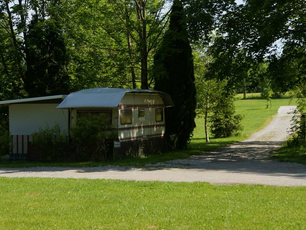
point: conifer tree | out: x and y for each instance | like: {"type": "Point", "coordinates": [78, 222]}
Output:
{"type": "Point", "coordinates": [46, 59]}
{"type": "Point", "coordinates": [174, 74]}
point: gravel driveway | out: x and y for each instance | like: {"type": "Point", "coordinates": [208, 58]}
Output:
{"type": "Point", "coordinates": [246, 162]}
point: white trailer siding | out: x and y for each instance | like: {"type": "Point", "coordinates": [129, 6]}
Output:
{"type": "Point", "coordinates": [144, 99]}
{"type": "Point", "coordinates": [144, 126]}
{"type": "Point", "coordinates": [26, 119]}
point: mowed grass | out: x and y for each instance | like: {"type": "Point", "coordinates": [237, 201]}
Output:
{"type": "Point", "coordinates": [291, 154]}
{"type": "Point", "coordinates": [255, 117]}
{"type": "Point", "coordinates": [41, 203]}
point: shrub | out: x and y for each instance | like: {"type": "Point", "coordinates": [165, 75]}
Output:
{"type": "Point", "coordinates": [223, 122]}
{"type": "Point", "coordinates": [5, 139]}
{"type": "Point", "coordinates": [298, 128]}
{"type": "Point", "coordinates": [49, 144]}
{"type": "Point", "coordinates": [5, 142]}
{"type": "Point", "coordinates": [89, 137]}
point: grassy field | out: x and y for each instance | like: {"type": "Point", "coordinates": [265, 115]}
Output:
{"type": "Point", "coordinates": [106, 204]}
{"type": "Point", "coordinates": [256, 116]}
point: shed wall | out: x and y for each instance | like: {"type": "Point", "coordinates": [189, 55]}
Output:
{"type": "Point", "coordinates": [28, 118]}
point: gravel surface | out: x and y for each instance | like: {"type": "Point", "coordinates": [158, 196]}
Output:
{"type": "Point", "coordinates": [246, 162]}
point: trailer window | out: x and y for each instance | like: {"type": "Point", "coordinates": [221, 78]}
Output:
{"type": "Point", "coordinates": [106, 114]}
{"type": "Point", "coordinates": [126, 117]}
{"type": "Point", "coordinates": [159, 114]}
{"type": "Point", "coordinates": [141, 113]}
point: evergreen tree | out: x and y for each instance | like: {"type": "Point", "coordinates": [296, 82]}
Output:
{"type": "Point", "coordinates": [174, 74]}
{"type": "Point", "coordinates": [46, 58]}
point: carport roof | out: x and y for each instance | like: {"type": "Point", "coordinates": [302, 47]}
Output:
{"type": "Point", "coordinates": [46, 99]}
{"type": "Point", "coordinates": [106, 97]}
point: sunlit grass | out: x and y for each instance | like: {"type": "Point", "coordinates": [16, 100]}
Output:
{"type": "Point", "coordinates": [36, 203]}
{"type": "Point", "coordinates": [249, 96]}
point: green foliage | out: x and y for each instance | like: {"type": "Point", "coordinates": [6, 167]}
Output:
{"type": "Point", "coordinates": [174, 74]}
{"type": "Point", "coordinates": [298, 128]}
{"type": "Point", "coordinates": [214, 103]}
{"type": "Point", "coordinates": [267, 95]}
{"type": "Point", "coordinates": [47, 60]}
{"type": "Point", "coordinates": [90, 136]}
{"type": "Point", "coordinates": [49, 144]}
{"type": "Point", "coordinates": [52, 47]}
{"type": "Point", "coordinates": [224, 121]}
{"type": "Point", "coordinates": [10, 55]}
{"type": "Point", "coordinates": [5, 141]}
{"type": "Point", "coordinates": [112, 43]}
{"type": "Point", "coordinates": [289, 70]}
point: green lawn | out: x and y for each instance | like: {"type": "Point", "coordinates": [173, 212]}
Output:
{"type": "Point", "coordinates": [255, 114]}
{"type": "Point", "coordinates": [28, 203]}
{"type": "Point", "coordinates": [291, 154]}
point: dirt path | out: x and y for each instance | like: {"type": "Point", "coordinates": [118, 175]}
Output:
{"type": "Point", "coordinates": [246, 162]}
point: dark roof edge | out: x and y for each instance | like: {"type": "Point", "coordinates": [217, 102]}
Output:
{"type": "Point", "coordinates": [32, 99]}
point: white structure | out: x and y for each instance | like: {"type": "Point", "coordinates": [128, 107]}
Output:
{"type": "Point", "coordinates": [26, 116]}
{"type": "Point", "coordinates": [138, 115]}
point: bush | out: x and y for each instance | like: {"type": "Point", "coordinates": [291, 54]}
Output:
{"type": "Point", "coordinates": [49, 144]}
{"type": "Point", "coordinates": [88, 141]}
{"type": "Point", "coordinates": [298, 128]}
{"type": "Point", "coordinates": [5, 139]}
{"type": "Point", "coordinates": [224, 122]}
{"type": "Point", "coordinates": [89, 138]}
{"type": "Point", "coordinates": [5, 142]}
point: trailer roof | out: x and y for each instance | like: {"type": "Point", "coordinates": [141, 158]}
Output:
{"type": "Point", "coordinates": [105, 97]}
{"type": "Point", "coordinates": [46, 99]}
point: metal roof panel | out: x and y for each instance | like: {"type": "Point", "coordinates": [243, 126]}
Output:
{"type": "Point", "coordinates": [105, 97]}
{"type": "Point", "coordinates": [32, 99]}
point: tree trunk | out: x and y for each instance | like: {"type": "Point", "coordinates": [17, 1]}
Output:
{"type": "Point", "coordinates": [206, 118]}
{"type": "Point", "coordinates": [244, 89]}
{"type": "Point", "coordinates": [129, 43]}
{"type": "Point", "coordinates": [141, 15]}
{"type": "Point", "coordinates": [144, 68]}
{"type": "Point", "coordinates": [133, 78]}
{"type": "Point", "coordinates": [13, 36]}
{"type": "Point", "coordinates": [144, 53]}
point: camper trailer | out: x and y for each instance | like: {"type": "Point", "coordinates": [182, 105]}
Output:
{"type": "Point", "coordinates": [137, 115]}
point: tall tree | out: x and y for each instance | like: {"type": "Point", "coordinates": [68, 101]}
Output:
{"type": "Point", "coordinates": [46, 72]}
{"type": "Point", "coordinates": [37, 46]}
{"type": "Point", "coordinates": [144, 29]}
{"type": "Point", "coordinates": [174, 74]}
{"type": "Point", "coordinates": [254, 32]}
